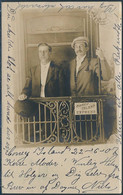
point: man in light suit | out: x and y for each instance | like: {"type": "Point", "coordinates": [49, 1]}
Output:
{"type": "Point", "coordinates": [43, 81]}
{"type": "Point", "coordinates": [84, 72]}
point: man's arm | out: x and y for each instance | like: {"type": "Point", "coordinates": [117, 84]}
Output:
{"type": "Point", "coordinates": [26, 92]}
{"type": "Point", "coordinates": [105, 68]}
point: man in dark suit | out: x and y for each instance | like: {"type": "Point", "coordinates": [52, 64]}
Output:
{"type": "Point", "coordinates": [43, 80]}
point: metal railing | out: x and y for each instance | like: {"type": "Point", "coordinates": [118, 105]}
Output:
{"type": "Point", "coordinates": [56, 123]}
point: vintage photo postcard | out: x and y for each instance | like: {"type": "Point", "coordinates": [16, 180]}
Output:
{"type": "Point", "coordinates": [61, 97]}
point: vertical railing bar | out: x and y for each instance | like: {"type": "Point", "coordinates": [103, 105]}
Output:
{"type": "Point", "coordinates": [45, 121]}
{"type": "Point", "coordinates": [102, 123]}
{"type": "Point", "coordinates": [97, 126]}
{"type": "Point", "coordinates": [17, 119]}
{"type": "Point", "coordinates": [28, 130]}
{"type": "Point", "coordinates": [34, 128]}
{"type": "Point", "coordinates": [50, 122]}
{"type": "Point", "coordinates": [91, 127]}
{"type": "Point", "coordinates": [80, 127]}
{"type": "Point", "coordinates": [57, 107]}
{"type": "Point", "coordinates": [85, 127]}
{"type": "Point", "coordinates": [23, 129]}
{"type": "Point", "coordinates": [71, 123]}
{"type": "Point", "coordinates": [97, 120]}
{"type": "Point", "coordinates": [75, 121]}
{"type": "Point", "coordinates": [39, 110]}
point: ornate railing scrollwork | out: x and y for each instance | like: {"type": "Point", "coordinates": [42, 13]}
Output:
{"type": "Point", "coordinates": [56, 122]}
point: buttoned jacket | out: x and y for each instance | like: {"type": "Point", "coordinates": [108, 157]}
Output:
{"type": "Point", "coordinates": [53, 86]}
{"type": "Point", "coordinates": [85, 82]}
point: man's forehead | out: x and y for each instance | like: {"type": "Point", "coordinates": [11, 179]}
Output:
{"type": "Point", "coordinates": [43, 47]}
{"type": "Point", "coordinates": [78, 43]}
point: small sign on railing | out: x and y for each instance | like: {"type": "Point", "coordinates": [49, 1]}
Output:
{"type": "Point", "coordinates": [85, 108]}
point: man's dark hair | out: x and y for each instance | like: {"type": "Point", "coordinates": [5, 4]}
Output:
{"type": "Point", "coordinates": [45, 44]}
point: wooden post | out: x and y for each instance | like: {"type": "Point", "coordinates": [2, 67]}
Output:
{"type": "Point", "coordinates": [99, 65]}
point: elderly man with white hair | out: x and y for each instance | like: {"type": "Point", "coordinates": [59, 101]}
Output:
{"type": "Point", "coordinates": [84, 71]}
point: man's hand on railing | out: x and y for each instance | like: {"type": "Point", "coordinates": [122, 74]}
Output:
{"type": "Point", "coordinates": [99, 53]}
{"type": "Point", "coordinates": [22, 97]}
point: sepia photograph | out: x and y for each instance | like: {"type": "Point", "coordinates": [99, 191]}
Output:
{"type": "Point", "coordinates": [61, 97]}
{"type": "Point", "coordinates": [65, 85]}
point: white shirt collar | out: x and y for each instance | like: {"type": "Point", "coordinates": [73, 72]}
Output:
{"type": "Point", "coordinates": [44, 72]}
{"type": "Point", "coordinates": [45, 65]}
{"type": "Point", "coordinates": [81, 59]}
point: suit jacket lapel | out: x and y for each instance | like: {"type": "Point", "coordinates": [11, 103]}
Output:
{"type": "Point", "coordinates": [38, 76]}
{"type": "Point", "coordinates": [73, 66]}
{"type": "Point", "coordinates": [50, 72]}
{"type": "Point", "coordinates": [84, 65]}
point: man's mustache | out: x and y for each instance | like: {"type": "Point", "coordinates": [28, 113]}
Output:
{"type": "Point", "coordinates": [79, 51]}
